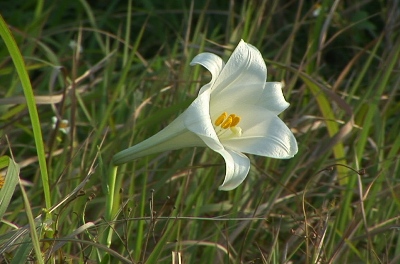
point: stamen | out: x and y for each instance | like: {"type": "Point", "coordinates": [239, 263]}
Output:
{"type": "Point", "coordinates": [220, 119]}
{"type": "Point", "coordinates": [64, 124]}
{"type": "Point", "coordinates": [227, 123]}
{"type": "Point", "coordinates": [235, 121]}
{"type": "Point", "coordinates": [2, 180]}
{"type": "Point", "coordinates": [224, 122]}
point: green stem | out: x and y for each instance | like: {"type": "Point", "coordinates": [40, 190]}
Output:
{"type": "Point", "coordinates": [110, 201]}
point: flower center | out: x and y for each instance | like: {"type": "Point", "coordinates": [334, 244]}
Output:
{"type": "Point", "coordinates": [225, 121]}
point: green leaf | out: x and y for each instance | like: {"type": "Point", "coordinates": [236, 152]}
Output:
{"type": "Point", "coordinates": [10, 181]}
{"type": "Point", "coordinates": [30, 101]}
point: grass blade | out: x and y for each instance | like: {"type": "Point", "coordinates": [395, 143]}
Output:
{"type": "Point", "coordinates": [30, 101]}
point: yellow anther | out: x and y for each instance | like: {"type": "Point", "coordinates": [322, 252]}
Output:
{"type": "Point", "coordinates": [2, 180]}
{"type": "Point", "coordinates": [227, 123]}
{"type": "Point", "coordinates": [224, 122]}
{"type": "Point", "coordinates": [235, 121]}
{"type": "Point", "coordinates": [220, 119]}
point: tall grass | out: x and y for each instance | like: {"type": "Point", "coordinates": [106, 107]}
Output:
{"type": "Point", "coordinates": [119, 72]}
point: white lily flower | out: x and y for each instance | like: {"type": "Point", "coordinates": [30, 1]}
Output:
{"type": "Point", "coordinates": [235, 112]}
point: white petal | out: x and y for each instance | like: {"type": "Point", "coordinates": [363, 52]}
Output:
{"type": "Point", "coordinates": [249, 95]}
{"type": "Point", "coordinates": [269, 97]}
{"type": "Point", "coordinates": [174, 136]}
{"type": "Point", "coordinates": [245, 67]}
{"type": "Point", "coordinates": [263, 133]}
{"type": "Point", "coordinates": [197, 120]}
{"type": "Point", "coordinates": [211, 62]}
{"type": "Point", "coordinates": [237, 168]}
{"type": "Point", "coordinates": [272, 98]}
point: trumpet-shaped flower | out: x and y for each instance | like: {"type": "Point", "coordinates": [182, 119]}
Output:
{"type": "Point", "coordinates": [235, 113]}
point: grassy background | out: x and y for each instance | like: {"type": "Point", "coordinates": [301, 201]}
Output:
{"type": "Point", "coordinates": [119, 71]}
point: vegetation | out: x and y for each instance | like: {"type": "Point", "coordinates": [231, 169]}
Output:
{"type": "Point", "coordinates": [118, 72]}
